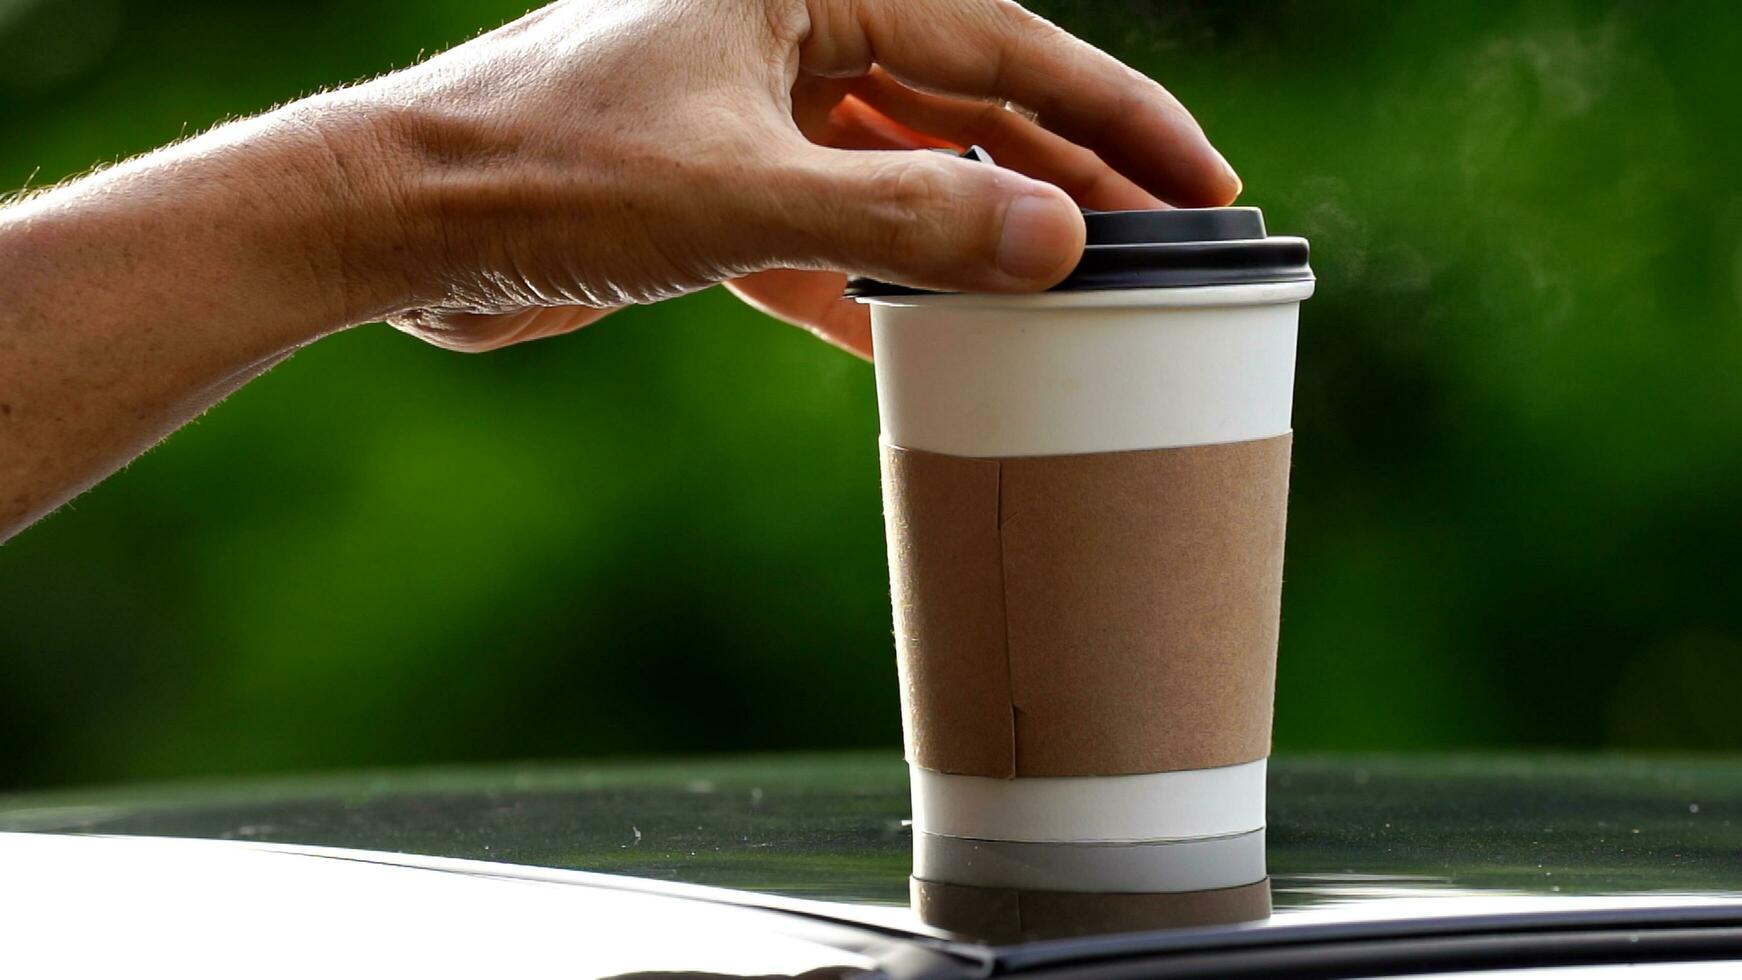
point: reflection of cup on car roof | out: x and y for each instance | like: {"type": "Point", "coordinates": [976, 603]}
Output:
{"type": "Point", "coordinates": [1008, 891]}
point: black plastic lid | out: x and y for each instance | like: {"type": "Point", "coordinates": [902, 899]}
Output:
{"type": "Point", "coordinates": [1162, 248]}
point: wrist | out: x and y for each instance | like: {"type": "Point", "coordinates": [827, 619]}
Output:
{"type": "Point", "coordinates": [350, 210]}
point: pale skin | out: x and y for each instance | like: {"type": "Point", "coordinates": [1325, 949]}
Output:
{"type": "Point", "coordinates": [591, 155]}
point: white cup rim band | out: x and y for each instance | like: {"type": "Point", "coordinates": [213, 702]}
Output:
{"type": "Point", "coordinates": [1185, 805]}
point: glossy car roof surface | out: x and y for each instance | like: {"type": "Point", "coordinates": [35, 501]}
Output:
{"type": "Point", "coordinates": [1378, 841]}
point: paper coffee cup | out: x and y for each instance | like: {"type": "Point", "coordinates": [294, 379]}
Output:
{"type": "Point", "coordinates": [1085, 492]}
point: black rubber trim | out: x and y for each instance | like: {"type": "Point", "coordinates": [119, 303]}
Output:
{"type": "Point", "coordinates": [1395, 948]}
{"type": "Point", "coordinates": [1419, 957]}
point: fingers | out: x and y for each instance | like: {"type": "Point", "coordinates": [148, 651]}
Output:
{"type": "Point", "coordinates": [997, 49]}
{"type": "Point", "coordinates": [853, 125]}
{"type": "Point", "coordinates": [811, 300]}
{"type": "Point", "coordinates": [1013, 140]}
{"type": "Point", "coordinates": [827, 117]}
{"type": "Point", "coordinates": [876, 112]}
{"type": "Point", "coordinates": [925, 219]}
{"type": "Point", "coordinates": [814, 97]}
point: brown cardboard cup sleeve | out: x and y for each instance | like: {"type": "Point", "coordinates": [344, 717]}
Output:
{"type": "Point", "coordinates": [1091, 614]}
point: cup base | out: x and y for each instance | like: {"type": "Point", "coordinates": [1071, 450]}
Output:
{"type": "Point", "coordinates": [1163, 806]}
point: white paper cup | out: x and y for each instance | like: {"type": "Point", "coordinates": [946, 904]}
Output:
{"type": "Point", "coordinates": [1087, 371]}
{"type": "Point", "coordinates": [1090, 372]}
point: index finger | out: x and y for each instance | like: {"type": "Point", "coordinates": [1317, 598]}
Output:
{"type": "Point", "coordinates": [995, 48]}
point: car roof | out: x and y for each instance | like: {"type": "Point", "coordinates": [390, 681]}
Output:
{"type": "Point", "coordinates": [816, 849]}
{"type": "Point", "coordinates": [89, 905]}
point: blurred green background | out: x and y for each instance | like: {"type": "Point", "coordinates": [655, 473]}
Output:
{"type": "Point", "coordinates": [1518, 460]}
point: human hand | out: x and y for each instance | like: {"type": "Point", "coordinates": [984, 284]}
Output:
{"type": "Point", "coordinates": [596, 154]}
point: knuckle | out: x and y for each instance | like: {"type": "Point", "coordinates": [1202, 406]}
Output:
{"type": "Point", "coordinates": [1021, 25]}
{"type": "Point", "coordinates": [916, 186]}
{"type": "Point", "coordinates": [990, 122]}
{"type": "Point", "coordinates": [916, 196]}
{"type": "Point", "coordinates": [832, 39]}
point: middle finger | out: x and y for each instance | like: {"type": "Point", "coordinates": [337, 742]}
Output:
{"type": "Point", "coordinates": [1013, 140]}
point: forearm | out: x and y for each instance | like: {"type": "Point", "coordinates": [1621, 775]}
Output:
{"type": "Point", "coordinates": [584, 157]}
{"type": "Point", "coordinates": [132, 300]}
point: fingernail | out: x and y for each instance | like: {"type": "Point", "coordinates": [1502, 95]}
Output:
{"type": "Point", "coordinates": [1228, 171]}
{"type": "Point", "coordinates": [1034, 238]}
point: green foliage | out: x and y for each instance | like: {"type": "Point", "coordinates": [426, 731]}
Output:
{"type": "Point", "coordinates": [1519, 429]}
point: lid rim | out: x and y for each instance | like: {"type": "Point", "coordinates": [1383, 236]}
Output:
{"type": "Point", "coordinates": [1155, 265]}
{"type": "Point", "coordinates": [1163, 248]}
{"type": "Point", "coordinates": [877, 290]}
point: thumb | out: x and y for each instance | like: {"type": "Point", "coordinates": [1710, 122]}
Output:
{"type": "Point", "coordinates": [931, 220]}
